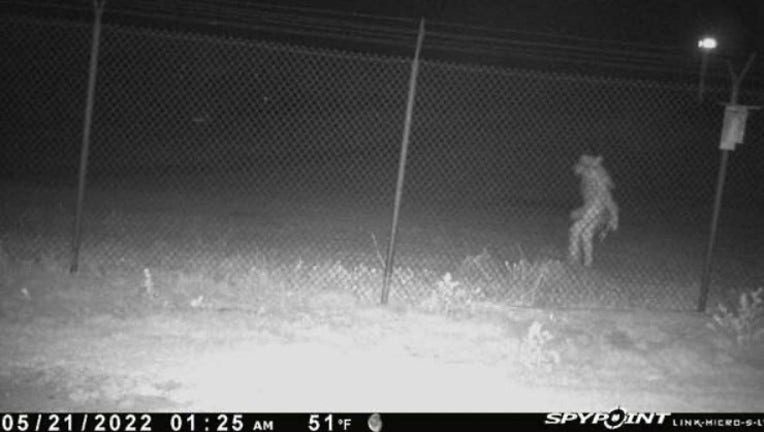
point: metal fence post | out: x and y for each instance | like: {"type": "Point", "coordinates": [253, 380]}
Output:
{"type": "Point", "coordinates": [705, 278]}
{"type": "Point", "coordinates": [402, 165]}
{"type": "Point", "coordinates": [98, 6]}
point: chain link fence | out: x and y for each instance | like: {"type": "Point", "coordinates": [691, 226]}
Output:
{"type": "Point", "coordinates": [243, 160]}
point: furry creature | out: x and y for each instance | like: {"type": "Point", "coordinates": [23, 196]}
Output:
{"type": "Point", "coordinates": [598, 215]}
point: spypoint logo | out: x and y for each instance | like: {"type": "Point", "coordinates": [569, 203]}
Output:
{"type": "Point", "coordinates": [612, 420]}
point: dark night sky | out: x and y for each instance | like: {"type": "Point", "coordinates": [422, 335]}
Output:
{"type": "Point", "coordinates": [654, 39]}
{"type": "Point", "coordinates": [737, 23]}
{"type": "Point", "coordinates": [654, 27]}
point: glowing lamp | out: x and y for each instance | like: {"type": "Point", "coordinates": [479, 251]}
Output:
{"type": "Point", "coordinates": [707, 43]}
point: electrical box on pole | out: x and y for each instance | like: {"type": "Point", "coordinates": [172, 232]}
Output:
{"type": "Point", "coordinates": [733, 127]}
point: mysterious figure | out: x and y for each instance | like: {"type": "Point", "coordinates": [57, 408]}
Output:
{"type": "Point", "coordinates": [599, 214]}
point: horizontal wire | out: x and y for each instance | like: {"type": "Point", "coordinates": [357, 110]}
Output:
{"type": "Point", "coordinates": [291, 19]}
{"type": "Point", "coordinates": [356, 15]}
{"type": "Point", "coordinates": [349, 18]}
{"type": "Point", "coordinates": [403, 37]}
{"type": "Point", "coordinates": [510, 44]}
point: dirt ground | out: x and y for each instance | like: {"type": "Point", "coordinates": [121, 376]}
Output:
{"type": "Point", "coordinates": [103, 343]}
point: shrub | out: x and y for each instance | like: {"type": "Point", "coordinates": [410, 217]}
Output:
{"type": "Point", "coordinates": [744, 324]}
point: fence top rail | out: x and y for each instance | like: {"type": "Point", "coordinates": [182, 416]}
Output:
{"type": "Point", "coordinates": [527, 56]}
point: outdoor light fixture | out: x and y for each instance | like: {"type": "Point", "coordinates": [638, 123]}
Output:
{"type": "Point", "coordinates": [706, 45]}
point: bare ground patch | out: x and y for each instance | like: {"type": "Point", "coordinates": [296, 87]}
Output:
{"type": "Point", "coordinates": [89, 343]}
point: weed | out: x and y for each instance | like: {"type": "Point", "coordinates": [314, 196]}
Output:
{"type": "Point", "coordinates": [528, 277]}
{"type": "Point", "coordinates": [450, 297]}
{"type": "Point", "coordinates": [518, 282]}
{"type": "Point", "coordinates": [745, 324]}
{"type": "Point", "coordinates": [148, 284]}
{"type": "Point", "coordinates": [534, 351]}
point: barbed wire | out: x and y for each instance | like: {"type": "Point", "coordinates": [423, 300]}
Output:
{"type": "Point", "coordinates": [358, 29]}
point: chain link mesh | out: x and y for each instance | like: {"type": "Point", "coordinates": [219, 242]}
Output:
{"type": "Point", "coordinates": [222, 155]}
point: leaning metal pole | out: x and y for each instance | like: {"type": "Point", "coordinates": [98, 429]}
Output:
{"type": "Point", "coordinates": [402, 165]}
{"type": "Point", "coordinates": [705, 278]}
{"type": "Point", "coordinates": [76, 236]}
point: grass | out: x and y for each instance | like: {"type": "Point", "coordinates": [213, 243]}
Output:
{"type": "Point", "coordinates": [264, 256]}
{"type": "Point", "coordinates": [183, 307]}
{"type": "Point", "coordinates": [236, 241]}
{"type": "Point", "coordinates": [213, 341]}
{"type": "Point", "coordinates": [744, 322]}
